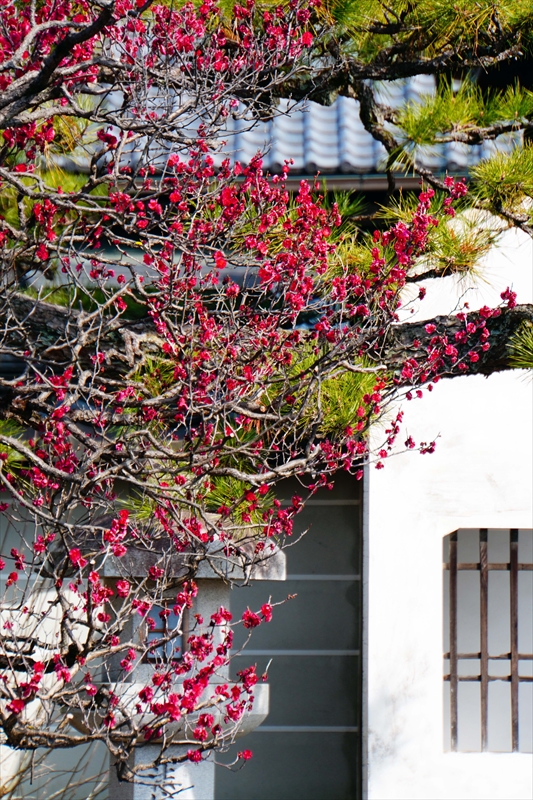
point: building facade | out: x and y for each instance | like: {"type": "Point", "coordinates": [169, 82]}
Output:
{"type": "Point", "coordinates": [366, 660]}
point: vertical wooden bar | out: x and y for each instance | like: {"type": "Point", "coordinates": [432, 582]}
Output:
{"type": "Point", "coordinates": [483, 589]}
{"type": "Point", "coordinates": [453, 640]}
{"type": "Point", "coordinates": [514, 638]}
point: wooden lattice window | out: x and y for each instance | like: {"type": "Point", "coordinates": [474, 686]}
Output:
{"type": "Point", "coordinates": [488, 640]}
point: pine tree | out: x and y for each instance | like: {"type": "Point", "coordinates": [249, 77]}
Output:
{"type": "Point", "coordinates": [481, 55]}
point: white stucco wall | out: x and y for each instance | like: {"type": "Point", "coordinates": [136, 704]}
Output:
{"type": "Point", "coordinates": [481, 475]}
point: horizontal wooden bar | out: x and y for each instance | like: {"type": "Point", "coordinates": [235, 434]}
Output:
{"type": "Point", "coordinates": [477, 678]}
{"type": "Point", "coordinates": [503, 567]}
{"type": "Point", "coordinates": [503, 657]}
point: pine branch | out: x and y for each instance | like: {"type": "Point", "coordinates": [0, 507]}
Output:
{"type": "Point", "coordinates": [373, 118]}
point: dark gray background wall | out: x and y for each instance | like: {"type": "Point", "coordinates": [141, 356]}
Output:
{"type": "Point", "coordinates": [309, 747]}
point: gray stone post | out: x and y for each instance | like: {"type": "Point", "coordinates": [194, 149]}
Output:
{"type": "Point", "coordinates": [186, 780]}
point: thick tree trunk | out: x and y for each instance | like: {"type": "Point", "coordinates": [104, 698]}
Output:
{"type": "Point", "coordinates": [411, 339]}
{"type": "Point", "coordinates": [408, 340]}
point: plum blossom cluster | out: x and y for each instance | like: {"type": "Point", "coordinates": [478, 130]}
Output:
{"type": "Point", "coordinates": [194, 339]}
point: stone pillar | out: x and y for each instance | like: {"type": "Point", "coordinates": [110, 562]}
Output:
{"type": "Point", "coordinates": [186, 780]}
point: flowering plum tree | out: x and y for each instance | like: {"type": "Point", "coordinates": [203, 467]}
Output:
{"type": "Point", "coordinates": [178, 335]}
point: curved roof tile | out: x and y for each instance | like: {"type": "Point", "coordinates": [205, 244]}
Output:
{"type": "Point", "coordinates": [332, 139]}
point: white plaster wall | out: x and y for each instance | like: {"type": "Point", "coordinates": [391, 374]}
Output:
{"type": "Point", "coordinates": [481, 475]}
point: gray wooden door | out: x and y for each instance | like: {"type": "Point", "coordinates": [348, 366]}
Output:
{"type": "Point", "coordinates": [309, 748]}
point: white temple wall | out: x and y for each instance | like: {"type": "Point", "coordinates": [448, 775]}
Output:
{"type": "Point", "coordinates": [481, 476]}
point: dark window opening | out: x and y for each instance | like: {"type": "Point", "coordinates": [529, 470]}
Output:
{"type": "Point", "coordinates": [163, 625]}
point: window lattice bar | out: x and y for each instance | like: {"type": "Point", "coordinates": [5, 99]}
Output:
{"type": "Point", "coordinates": [484, 661]}
{"type": "Point", "coordinates": [514, 638]}
{"type": "Point", "coordinates": [453, 639]}
{"type": "Point", "coordinates": [500, 567]}
{"type": "Point", "coordinates": [502, 657]}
